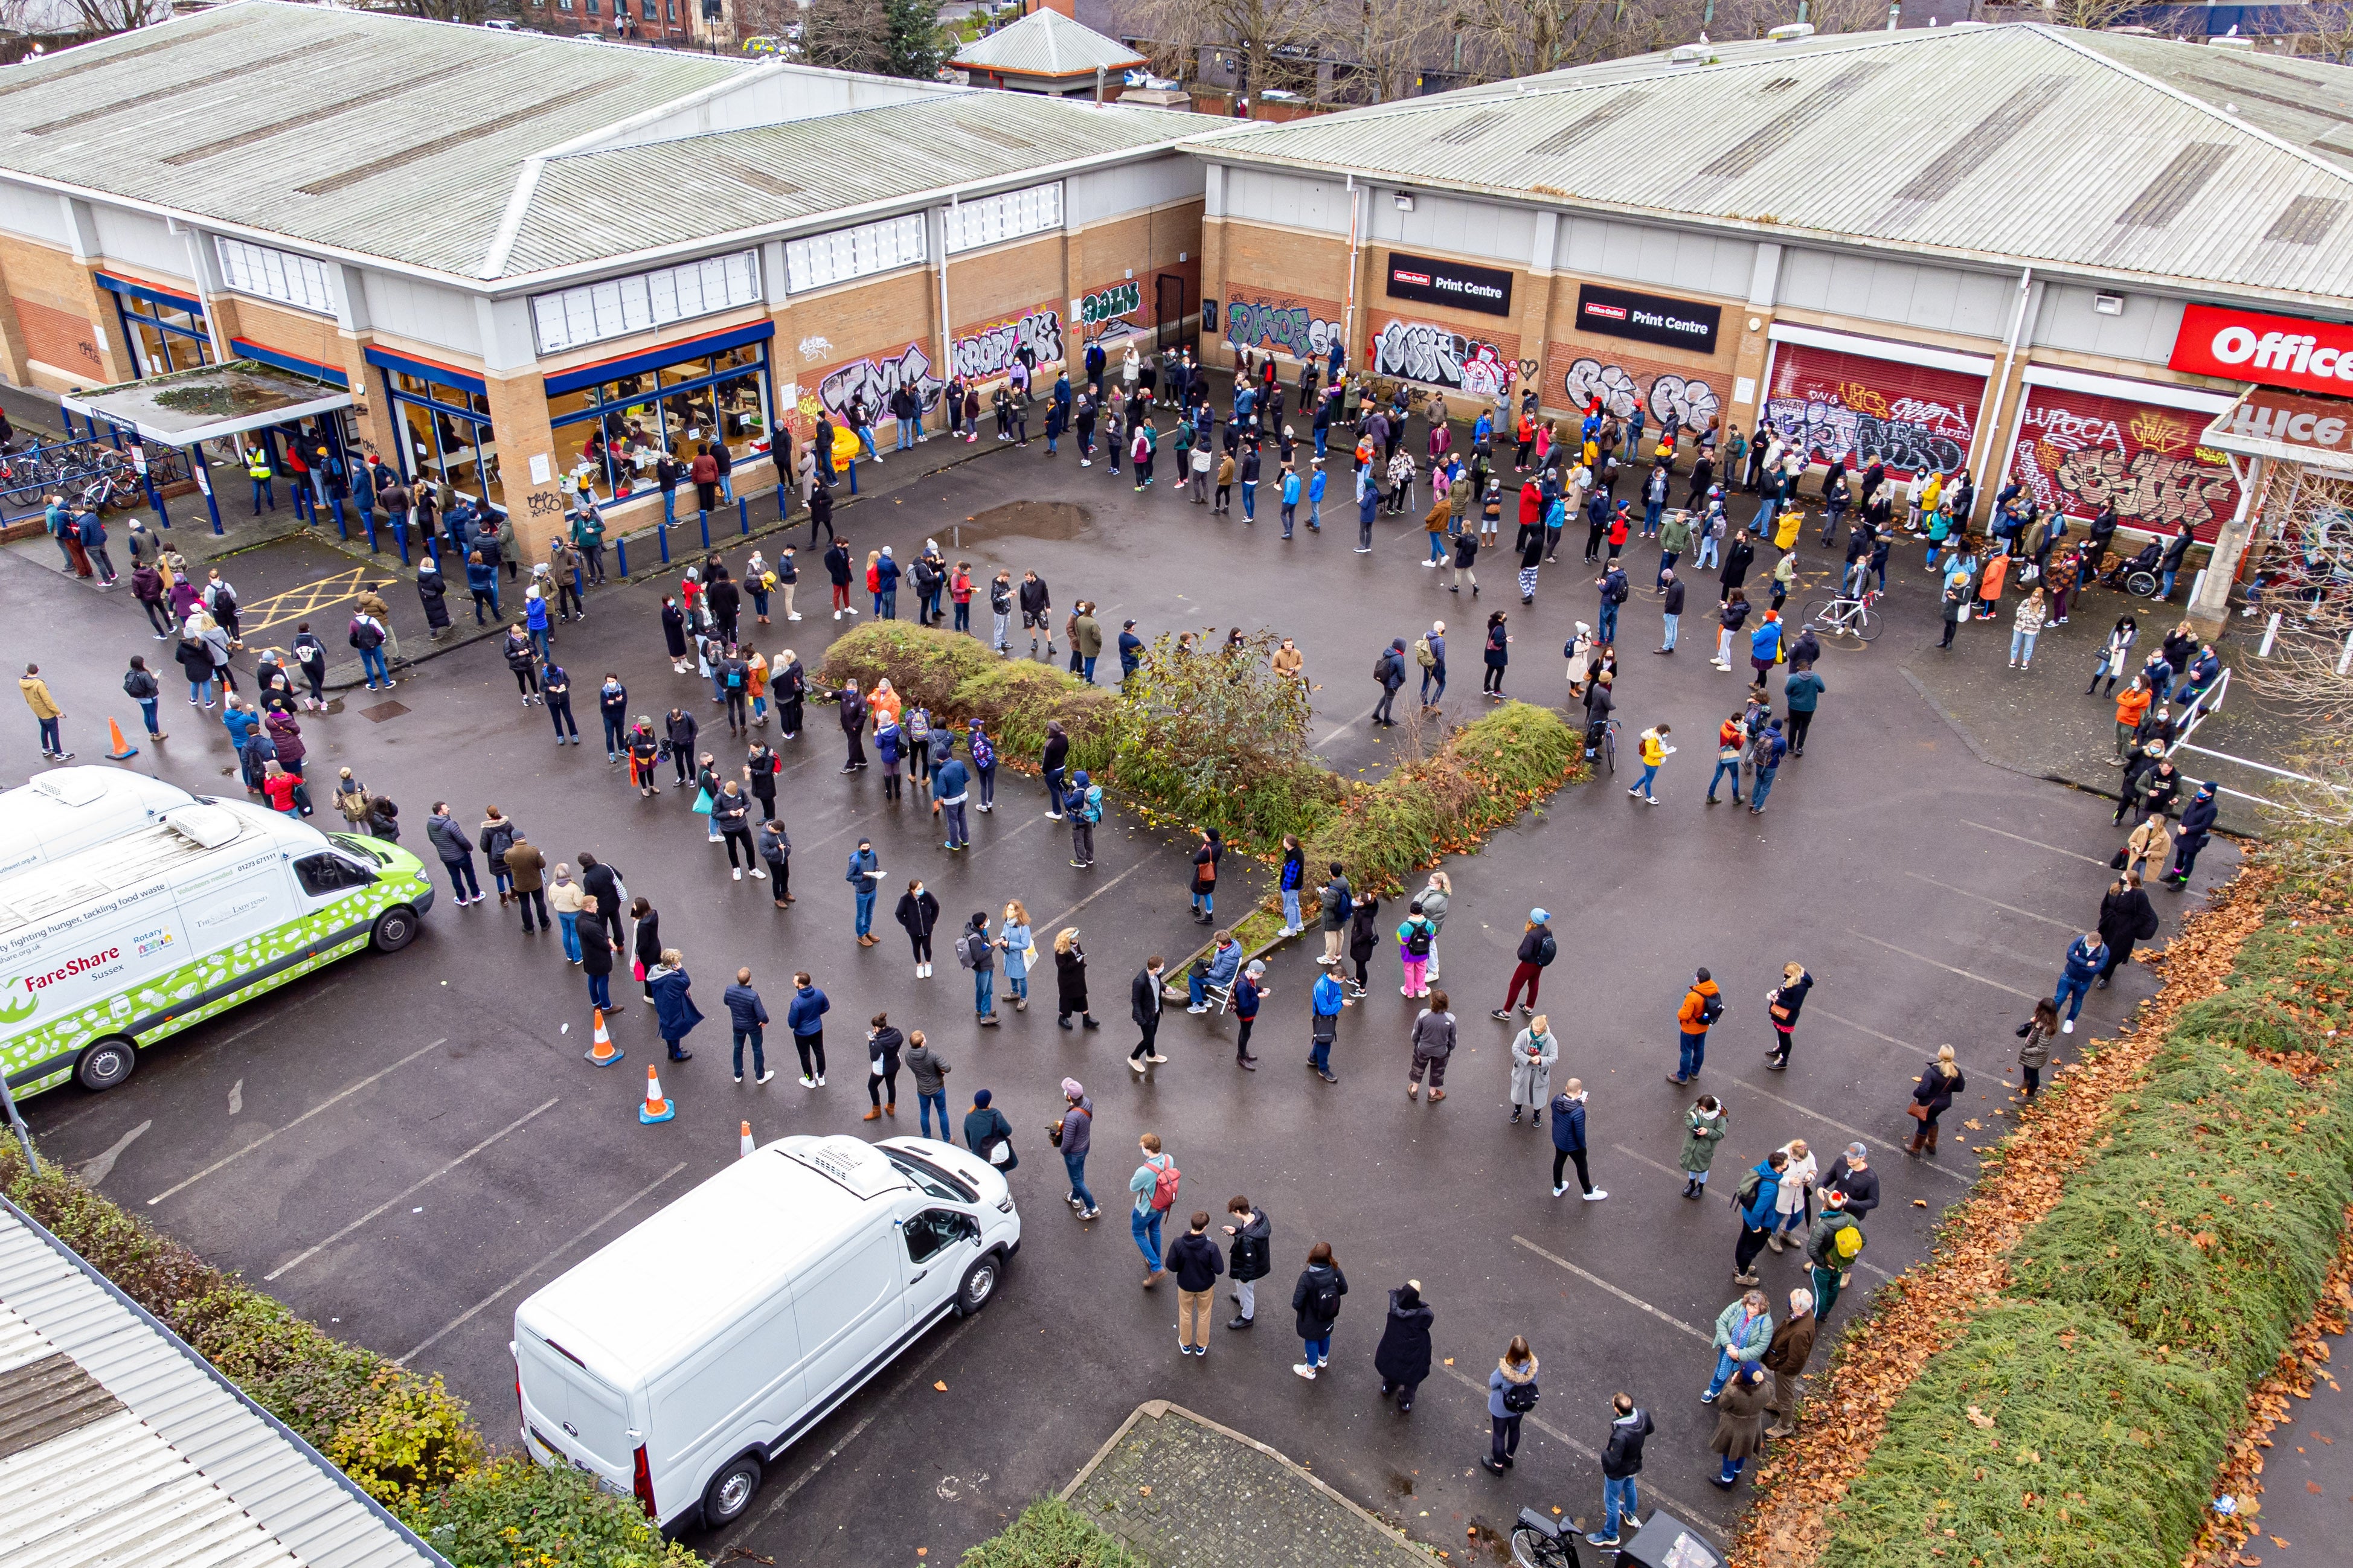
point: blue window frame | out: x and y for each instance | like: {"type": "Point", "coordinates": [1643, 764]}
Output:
{"type": "Point", "coordinates": [165, 332]}
{"type": "Point", "coordinates": [443, 418]}
{"type": "Point", "coordinates": [624, 413]}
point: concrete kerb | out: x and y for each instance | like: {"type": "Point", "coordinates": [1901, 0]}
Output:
{"type": "Point", "coordinates": [1161, 1409]}
{"type": "Point", "coordinates": [345, 677]}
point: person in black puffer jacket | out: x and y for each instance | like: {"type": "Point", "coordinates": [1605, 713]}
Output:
{"type": "Point", "coordinates": [1403, 1356]}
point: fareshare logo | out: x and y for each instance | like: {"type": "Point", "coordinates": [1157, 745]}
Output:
{"type": "Point", "coordinates": [17, 1009]}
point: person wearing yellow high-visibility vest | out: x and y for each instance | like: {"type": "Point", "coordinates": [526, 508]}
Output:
{"type": "Point", "coordinates": [257, 465]}
{"type": "Point", "coordinates": [1654, 751]}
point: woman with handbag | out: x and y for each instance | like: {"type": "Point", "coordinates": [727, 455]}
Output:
{"type": "Point", "coordinates": [645, 942]}
{"type": "Point", "coordinates": [1783, 1002]}
{"type": "Point", "coordinates": [988, 1134]}
{"type": "Point", "coordinates": [1931, 1097]}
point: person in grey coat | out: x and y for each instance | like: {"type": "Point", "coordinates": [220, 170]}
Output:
{"type": "Point", "coordinates": [1433, 1042]}
{"type": "Point", "coordinates": [1436, 899]}
{"type": "Point", "coordinates": [1534, 1051]}
{"type": "Point", "coordinates": [456, 851]}
{"type": "Point", "coordinates": [931, 1071]}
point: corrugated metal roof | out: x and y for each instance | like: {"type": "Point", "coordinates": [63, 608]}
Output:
{"type": "Point", "coordinates": [2117, 155]}
{"type": "Point", "coordinates": [188, 1473]}
{"type": "Point", "coordinates": [1046, 43]}
{"type": "Point", "coordinates": [874, 155]}
{"type": "Point", "coordinates": [382, 134]}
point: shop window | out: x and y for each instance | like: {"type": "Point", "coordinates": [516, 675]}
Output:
{"type": "Point", "coordinates": [619, 306]}
{"type": "Point", "coordinates": [446, 436]}
{"type": "Point", "coordinates": [163, 337]}
{"type": "Point", "coordinates": [614, 432]}
{"type": "Point", "coordinates": [280, 275]}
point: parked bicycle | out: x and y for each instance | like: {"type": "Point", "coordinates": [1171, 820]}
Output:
{"type": "Point", "coordinates": [1541, 1543]}
{"type": "Point", "coordinates": [1846, 614]}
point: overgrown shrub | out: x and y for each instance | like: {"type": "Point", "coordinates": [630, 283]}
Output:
{"type": "Point", "coordinates": [2046, 1435]}
{"type": "Point", "coordinates": [515, 1514]}
{"type": "Point", "coordinates": [957, 677]}
{"type": "Point", "coordinates": [1480, 779]}
{"type": "Point", "coordinates": [1050, 1533]}
{"type": "Point", "coordinates": [402, 1437]}
{"type": "Point", "coordinates": [1211, 736]}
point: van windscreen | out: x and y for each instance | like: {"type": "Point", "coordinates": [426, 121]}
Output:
{"type": "Point", "coordinates": [938, 1183]}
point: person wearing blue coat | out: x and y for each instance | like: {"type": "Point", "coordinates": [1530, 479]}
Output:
{"type": "Point", "coordinates": [675, 1014]}
{"type": "Point", "coordinates": [2086, 955]}
{"type": "Point", "coordinates": [1757, 1217]}
{"type": "Point", "coordinates": [1569, 1140]}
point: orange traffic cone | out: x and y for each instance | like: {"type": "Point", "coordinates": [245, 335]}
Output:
{"type": "Point", "coordinates": [655, 1108]}
{"type": "Point", "coordinates": [124, 749]}
{"type": "Point", "coordinates": [603, 1052]}
{"type": "Point", "coordinates": [744, 1145]}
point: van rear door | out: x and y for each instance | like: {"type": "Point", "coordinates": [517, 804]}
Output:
{"type": "Point", "coordinates": [571, 1412]}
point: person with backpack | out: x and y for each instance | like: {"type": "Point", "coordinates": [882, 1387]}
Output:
{"type": "Point", "coordinates": [1757, 1201]}
{"type": "Point", "coordinates": [1430, 653]}
{"type": "Point", "coordinates": [1155, 1184]}
{"type": "Point", "coordinates": [1316, 1306]}
{"type": "Point", "coordinates": [1784, 1002]}
{"type": "Point", "coordinates": [1325, 1003]}
{"type": "Point", "coordinates": [1512, 1393]}
{"type": "Point", "coordinates": [1085, 807]}
{"type": "Point", "coordinates": [141, 686]}
{"type": "Point", "coordinates": [1537, 950]}
{"type": "Point", "coordinates": [1388, 674]}
{"type": "Point", "coordinates": [977, 951]}
{"type": "Point", "coordinates": [950, 791]}
{"type": "Point", "coordinates": [1337, 903]}
{"type": "Point", "coordinates": [1703, 1005]}
{"type": "Point", "coordinates": [1614, 587]}
{"type": "Point", "coordinates": [1831, 1248]}
{"type": "Point", "coordinates": [1415, 938]}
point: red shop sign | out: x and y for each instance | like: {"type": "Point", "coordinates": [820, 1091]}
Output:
{"type": "Point", "coordinates": [2274, 351]}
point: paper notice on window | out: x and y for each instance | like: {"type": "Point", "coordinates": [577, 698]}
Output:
{"type": "Point", "coordinates": [542, 470]}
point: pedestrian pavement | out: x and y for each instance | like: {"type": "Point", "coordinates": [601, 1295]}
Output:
{"type": "Point", "coordinates": [1183, 1491]}
{"type": "Point", "coordinates": [2308, 1475]}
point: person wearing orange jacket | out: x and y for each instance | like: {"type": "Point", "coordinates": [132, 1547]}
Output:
{"type": "Point", "coordinates": [1703, 1005]}
{"type": "Point", "coordinates": [2132, 704]}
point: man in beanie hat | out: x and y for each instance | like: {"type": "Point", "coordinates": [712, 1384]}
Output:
{"type": "Point", "coordinates": [1075, 1134]}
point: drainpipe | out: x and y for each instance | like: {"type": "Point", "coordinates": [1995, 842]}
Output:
{"type": "Point", "coordinates": [947, 332]}
{"type": "Point", "coordinates": [1990, 426]}
{"type": "Point", "coordinates": [1099, 84]}
{"type": "Point", "coordinates": [1349, 314]}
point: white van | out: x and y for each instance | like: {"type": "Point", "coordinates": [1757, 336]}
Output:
{"type": "Point", "coordinates": [54, 814]}
{"type": "Point", "coordinates": [688, 1354]}
{"type": "Point", "coordinates": [127, 942]}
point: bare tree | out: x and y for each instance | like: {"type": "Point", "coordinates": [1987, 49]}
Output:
{"type": "Point", "coordinates": [2328, 32]}
{"type": "Point", "coordinates": [120, 16]}
{"type": "Point", "coordinates": [467, 10]}
{"type": "Point", "coordinates": [2303, 572]}
{"type": "Point", "coordinates": [847, 34]}
{"type": "Point", "coordinates": [1270, 43]}
{"type": "Point", "coordinates": [1388, 44]}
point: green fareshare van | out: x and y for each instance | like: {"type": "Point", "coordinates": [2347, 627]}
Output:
{"type": "Point", "coordinates": [129, 941]}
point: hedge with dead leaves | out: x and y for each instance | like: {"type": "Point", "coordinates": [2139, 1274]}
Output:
{"type": "Point", "coordinates": [2059, 1385]}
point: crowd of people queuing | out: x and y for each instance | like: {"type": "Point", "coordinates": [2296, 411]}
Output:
{"type": "Point", "coordinates": [712, 621]}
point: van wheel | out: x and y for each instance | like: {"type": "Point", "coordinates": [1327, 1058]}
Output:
{"type": "Point", "coordinates": [395, 929]}
{"type": "Point", "coordinates": [730, 1492]}
{"type": "Point", "coordinates": [979, 1285]}
{"type": "Point", "coordinates": [105, 1064]}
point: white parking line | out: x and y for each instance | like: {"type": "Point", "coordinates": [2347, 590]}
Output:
{"type": "Point", "coordinates": [1997, 903]}
{"type": "Point", "coordinates": [1684, 1510]}
{"type": "Point", "coordinates": [1099, 892]}
{"type": "Point", "coordinates": [1854, 1132]}
{"type": "Point", "coordinates": [1865, 1029]}
{"type": "Point", "coordinates": [2006, 833]}
{"type": "Point", "coordinates": [1948, 968]}
{"type": "Point", "coordinates": [279, 1016]}
{"type": "Point", "coordinates": [345, 1094]}
{"type": "Point", "coordinates": [1668, 1318]}
{"type": "Point", "coordinates": [569, 1242]}
{"type": "Point", "coordinates": [410, 1191]}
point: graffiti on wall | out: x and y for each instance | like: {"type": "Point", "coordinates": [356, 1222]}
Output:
{"type": "Point", "coordinates": [2082, 453]}
{"type": "Point", "coordinates": [991, 351]}
{"type": "Point", "coordinates": [1421, 350]}
{"type": "Point", "coordinates": [1672, 400]}
{"type": "Point", "coordinates": [1916, 418]}
{"type": "Point", "coordinates": [1103, 313]}
{"type": "Point", "coordinates": [1303, 329]}
{"type": "Point", "coordinates": [874, 380]}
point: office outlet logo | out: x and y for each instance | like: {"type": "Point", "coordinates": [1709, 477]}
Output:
{"type": "Point", "coordinates": [2274, 351]}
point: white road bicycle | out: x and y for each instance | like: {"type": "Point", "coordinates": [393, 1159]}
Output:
{"type": "Point", "coordinates": [1842, 616]}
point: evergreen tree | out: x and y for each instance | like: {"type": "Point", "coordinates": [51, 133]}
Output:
{"type": "Point", "coordinates": [916, 46]}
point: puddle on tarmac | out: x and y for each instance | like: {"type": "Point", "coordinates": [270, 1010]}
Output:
{"type": "Point", "coordinates": [1030, 520]}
